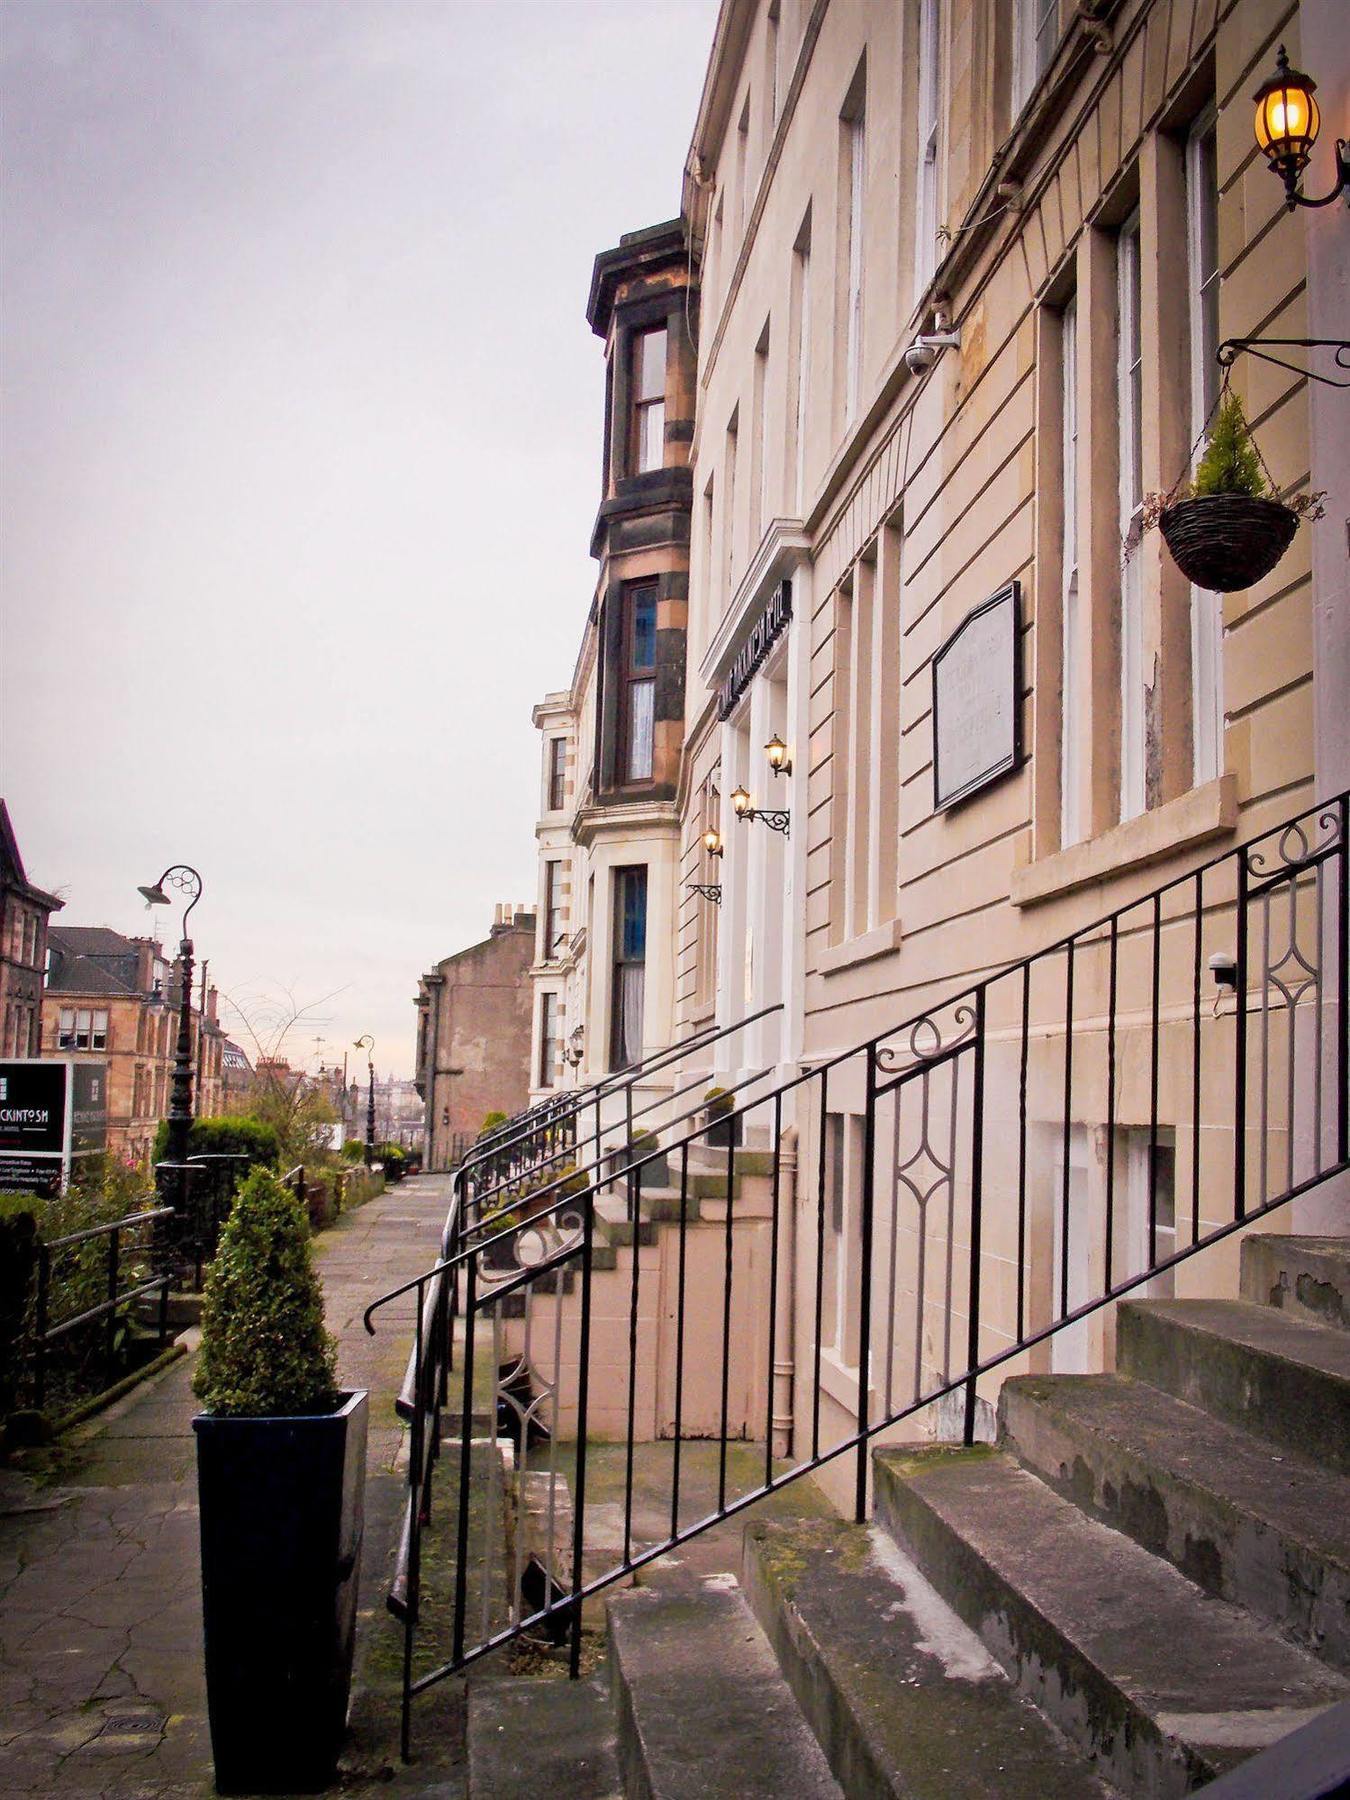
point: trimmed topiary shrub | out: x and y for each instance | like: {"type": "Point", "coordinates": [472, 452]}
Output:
{"type": "Point", "coordinates": [265, 1353]}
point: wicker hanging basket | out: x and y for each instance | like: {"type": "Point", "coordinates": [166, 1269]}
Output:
{"type": "Point", "coordinates": [1224, 542]}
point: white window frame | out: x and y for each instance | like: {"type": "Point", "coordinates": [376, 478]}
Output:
{"type": "Point", "coordinates": [802, 256]}
{"type": "Point", "coordinates": [853, 319]}
{"type": "Point", "coordinates": [1070, 738]}
{"type": "Point", "coordinates": [1035, 34]}
{"type": "Point", "coordinates": [1129, 334]}
{"type": "Point", "coordinates": [1202, 209]}
{"type": "Point", "coordinates": [929, 126]}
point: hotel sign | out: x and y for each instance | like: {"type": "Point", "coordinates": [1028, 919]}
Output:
{"type": "Point", "coordinates": [764, 634]}
{"type": "Point", "coordinates": [977, 684]}
{"type": "Point", "coordinates": [52, 1109]}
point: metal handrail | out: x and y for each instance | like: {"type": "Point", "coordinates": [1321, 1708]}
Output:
{"type": "Point", "coordinates": [548, 1113]}
{"type": "Point", "coordinates": [48, 1331]}
{"type": "Point", "coordinates": [1010, 1053]}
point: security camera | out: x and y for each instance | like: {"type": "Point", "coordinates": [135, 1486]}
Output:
{"type": "Point", "coordinates": [922, 353]}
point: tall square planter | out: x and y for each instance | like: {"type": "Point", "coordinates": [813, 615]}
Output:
{"type": "Point", "coordinates": [282, 1518]}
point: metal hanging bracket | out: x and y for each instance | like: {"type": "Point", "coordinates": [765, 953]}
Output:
{"type": "Point", "coordinates": [1232, 347]}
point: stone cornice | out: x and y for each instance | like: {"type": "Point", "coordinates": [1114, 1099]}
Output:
{"type": "Point", "coordinates": [782, 549]}
{"type": "Point", "coordinates": [633, 819]}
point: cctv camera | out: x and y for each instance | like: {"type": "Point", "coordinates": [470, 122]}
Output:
{"type": "Point", "coordinates": [920, 356]}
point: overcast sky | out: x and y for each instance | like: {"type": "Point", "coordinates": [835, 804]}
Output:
{"type": "Point", "coordinates": [301, 452]}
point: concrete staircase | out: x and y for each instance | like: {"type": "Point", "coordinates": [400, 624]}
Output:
{"type": "Point", "coordinates": [1145, 1583]}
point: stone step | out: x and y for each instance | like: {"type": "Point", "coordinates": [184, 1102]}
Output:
{"type": "Point", "coordinates": [1307, 1278]}
{"type": "Point", "coordinates": [1261, 1527]}
{"type": "Point", "coordinates": [541, 1737]}
{"type": "Point", "coordinates": [703, 1708]}
{"type": "Point", "coordinates": [903, 1696]}
{"type": "Point", "coordinates": [1162, 1685]}
{"type": "Point", "coordinates": [1287, 1381]}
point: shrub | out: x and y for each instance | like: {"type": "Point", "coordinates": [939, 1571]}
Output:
{"type": "Point", "coordinates": [1230, 464]}
{"type": "Point", "coordinates": [491, 1121]}
{"type": "Point", "coordinates": [252, 1138]}
{"type": "Point", "coordinates": [265, 1353]}
{"type": "Point", "coordinates": [719, 1102]}
{"type": "Point", "coordinates": [18, 1261]}
{"type": "Point", "coordinates": [354, 1150]}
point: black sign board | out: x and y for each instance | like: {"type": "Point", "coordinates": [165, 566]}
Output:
{"type": "Point", "coordinates": [764, 634]}
{"type": "Point", "coordinates": [52, 1109]}
{"type": "Point", "coordinates": [33, 1108]}
{"type": "Point", "coordinates": [977, 689]}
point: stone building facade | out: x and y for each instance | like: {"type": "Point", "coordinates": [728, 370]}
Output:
{"type": "Point", "coordinates": [115, 998]}
{"type": "Point", "coordinates": [24, 912]}
{"type": "Point", "coordinates": [963, 270]}
{"type": "Point", "coordinates": [473, 1035]}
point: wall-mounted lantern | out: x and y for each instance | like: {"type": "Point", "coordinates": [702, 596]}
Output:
{"type": "Point", "coordinates": [779, 760]}
{"type": "Point", "coordinates": [712, 841]}
{"type": "Point", "coordinates": [775, 820]}
{"type": "Point", "coordinates": [1287, 123]}
{"type": "Point", "coordinates": [575, 1047]}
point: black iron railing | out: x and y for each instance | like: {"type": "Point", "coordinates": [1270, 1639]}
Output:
{"type": "Point", "coordinates": [905, 1219]}
{"type": "Point", "coordinates": [132, 1252]}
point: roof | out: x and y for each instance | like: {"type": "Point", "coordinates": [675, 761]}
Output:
{"type": "Point", "coordinates": [233, 1057]}
{"type": "Point", "coordinates": [11, 866]}
{"type": "Point", "coordinates": [92, 959]}
{"type": "Point", "coordinates": [636, 252]}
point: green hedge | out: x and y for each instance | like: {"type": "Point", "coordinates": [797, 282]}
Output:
{"type": "Point", "coordinates": [18, 1263]}
{"type": "Point", "coordinates": [226, 1137]}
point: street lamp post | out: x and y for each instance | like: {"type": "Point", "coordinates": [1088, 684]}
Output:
{"type": "Point", "coordinates": [186, 884]}
{"type": "Point", "coordinates": [367, 1043]}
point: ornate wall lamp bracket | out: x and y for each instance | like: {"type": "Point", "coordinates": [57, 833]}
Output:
{"type": "Point", "coordinates": [710, 890]}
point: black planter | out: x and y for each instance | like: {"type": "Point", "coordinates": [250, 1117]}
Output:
{"type": "Point", "coordinates": [1225, 542]}
{"type": "Point", "coordinates": [282, 1514]}
{"type": "Point", "coordinates": [724, 1131]}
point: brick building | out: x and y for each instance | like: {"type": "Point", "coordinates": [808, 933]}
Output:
{"type": "Point", "coordinates": [24, 911]}
{"type": "Point", "coordinates": [473, 1033]}
{"type": "Point", "coordinates": [117, 998]}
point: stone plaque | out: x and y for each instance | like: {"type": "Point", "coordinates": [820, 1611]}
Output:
{"type": "Point", "coordinates": [977, 684]}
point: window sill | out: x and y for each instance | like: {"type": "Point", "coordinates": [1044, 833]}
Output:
{"type": "Point", "coordinates": [849, 955]}
{"type": "Point", "coordinates": [1191, 819]}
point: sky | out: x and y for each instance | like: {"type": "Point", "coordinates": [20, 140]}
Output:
{"type": "Point", "coordinates": [299, 456]}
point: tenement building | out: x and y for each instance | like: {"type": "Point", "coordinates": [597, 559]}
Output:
{"type": "Point", "coordinates": [473, 1036]}
{"type": "Point", "coordinates": [890, 682]}
{"type": "Point", "coordinates": [944, 942]}
{"type": "Point", "coordinates": [24, 912]}
{"type": "Point", "coordinates": [115, 1000]}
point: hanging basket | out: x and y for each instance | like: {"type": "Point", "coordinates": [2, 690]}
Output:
{"type": "Point", "coordinates": [1224, 542]}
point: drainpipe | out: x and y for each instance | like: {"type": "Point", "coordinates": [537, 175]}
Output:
{"type": "Point", "coordinates": [785, 1362]}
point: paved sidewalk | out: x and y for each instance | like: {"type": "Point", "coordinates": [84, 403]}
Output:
{"type": "Point", "coordinates": [101, 1689]}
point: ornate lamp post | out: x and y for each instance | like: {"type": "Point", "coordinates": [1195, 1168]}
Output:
{"type": "Point", "coordinates": [186, 884]}
{"type": "Point", "coordinates": [367, 1043]}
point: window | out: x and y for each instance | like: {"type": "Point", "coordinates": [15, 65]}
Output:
{"type": "Point", "coordinates": [548, 1039]}
{"type": "Point", "coordinates": [552, 908]}
{"type": "Point", "coordinates": [1070, 736]}
{"type": "Point", "coordinates": [729, 508]}
{"type": "Point", "coordinates": [1129, 402]}
{"type": "Point", "coordinates": [628, 992]}
{"type": "Point", "coordinates": [707, 817]}
{"type": "Point", "coordinates": [742, 171]}
{"type": "Point", "coordinates": [801, 300]}
{"type": "Point", "coordinates": [557, 771]}
{"type": "Point", "coordinates": [855, 147]}
{"type": "Point", "coordinates": [771, 53]}
{"type": "Point", "coordinates": [1036, 27]}
{"type": "Point", "coordinates": [82, 1029]}
{"type": "Point", "coordinates": [757, 469]}
{"type": "Point", "coordinates": [638, 696]}
{"type": "Point", "coordinates": [926, 186]}
{"type": "Point", "coordinates": [649, 400]}
{"type": "Point", "coordinates": [1202, 210]}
